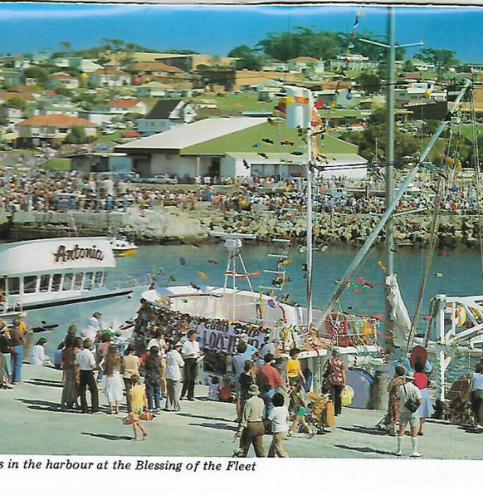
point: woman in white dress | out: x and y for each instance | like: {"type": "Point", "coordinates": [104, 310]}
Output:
{"type": "Point", "coordinates": [112, 371]}
{"type": "Point", "coordinates": [38, 354]}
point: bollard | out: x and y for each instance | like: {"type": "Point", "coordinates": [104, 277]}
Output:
{"type": "Point", "coordinates": [380, 395]}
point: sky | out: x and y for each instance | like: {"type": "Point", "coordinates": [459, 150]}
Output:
{"type": "Point", "coordinates": [215, 30]}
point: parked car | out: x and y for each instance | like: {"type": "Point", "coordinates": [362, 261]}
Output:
{"type": "Point", "coordinates": [163, 179]}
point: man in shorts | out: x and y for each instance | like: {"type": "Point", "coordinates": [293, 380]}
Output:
{"type": "Point", "coordinates": [405, 392]}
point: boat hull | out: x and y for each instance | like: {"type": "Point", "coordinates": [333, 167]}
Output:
{"type": "Point", "coordinates": [52, 319]}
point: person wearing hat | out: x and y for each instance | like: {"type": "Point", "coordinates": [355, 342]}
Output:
{"type": "Point", "coordinates": [174, 363]}
{"type": "Point", "coordinates": [334, 371]}
{"type": "Point", "coordinates": [405, 392]}
{"type": "Point", "coordinates": [251, 428]}
{"type": "Point", "coordinates": [249, 349]}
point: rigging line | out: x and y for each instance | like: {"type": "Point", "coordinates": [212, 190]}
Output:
{"type": "Point", "coordinates": [476, 164]}
{"type": "Point", "coordinates": [427, 264]}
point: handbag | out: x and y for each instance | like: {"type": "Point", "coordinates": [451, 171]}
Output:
{"type": "Point", "coordinates": [146, 416]}
{"type": "Point", "coordinates": [346, 397]}
{"type": "Point", "coordinates": [410, 404]}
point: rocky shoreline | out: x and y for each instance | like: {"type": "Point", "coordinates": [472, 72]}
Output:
{"type": "Point", "coordinates": [171, 224]}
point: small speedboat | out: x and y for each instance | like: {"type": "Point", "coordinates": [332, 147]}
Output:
{"type": "Point", "coordinates": [122, 247]}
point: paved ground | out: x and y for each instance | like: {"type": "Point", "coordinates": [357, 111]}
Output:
{"type": "Point", "coordinates": [31, 423]}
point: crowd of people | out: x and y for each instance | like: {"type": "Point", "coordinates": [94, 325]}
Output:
{"type": "Point", "coordinates": [33, 189]}
{"type": "Point", "coordinates": [270, 392]}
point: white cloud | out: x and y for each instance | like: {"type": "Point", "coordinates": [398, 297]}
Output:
{"type": "Point", "coordinates": [36, 13]}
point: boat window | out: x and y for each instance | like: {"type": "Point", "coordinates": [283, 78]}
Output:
{"type": "Point", "coordinates": [14, 286]}
{"type": "Point", "coordinates": [56, 282]}
{"type": "Point", "coordinates": [88, 281]}
{"type": "Point", "coordinates": [2, 288]}
{"type": "Point", "coordinates": [67, 285]}
{"type": "Point", "coordinates": [29, 284]}
{"type": "Point", "coordinates": [98, 279]}
{"type": "Point", "coordinates": [78, 281]}
{"type": "Point", "coordinates": [44, 283]}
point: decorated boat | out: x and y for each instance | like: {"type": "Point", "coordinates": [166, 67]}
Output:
{"type": "Point", "coordinates": [62, 281]}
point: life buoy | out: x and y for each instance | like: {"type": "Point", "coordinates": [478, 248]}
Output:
{"type": "Point", "coordinates": [460, 315]}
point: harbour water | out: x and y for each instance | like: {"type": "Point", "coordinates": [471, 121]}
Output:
{"type": "Point", "coordinates": [456, 273]}
{"type": "Point", "coordinates": [452, 273]}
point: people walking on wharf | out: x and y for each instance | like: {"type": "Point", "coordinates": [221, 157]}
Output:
{"type": "Point", "coordinates": [293, 368]}
{"type": "Point", "coordinates": [334, 371]}
{"type": "Point", "coordinates": [5, 350]}
{"type": "Point", "coordinates": [152, 380]}
{"type": "Point", "coordinates": [245, 381]}
{"type": "Point", "coordinates": [409, 392]}
{"type": "Point", "coordinates": [18, 340]}
{"type": "Point", "coordinates": [112, 370]}
{"type": "Point", "coordinates": [299, 406]}
{"type": "Point", "coordinates": [139, 404]}
{"type": "Point", "coordinates": [174, 363]}
{"type": "Point", "coordinates": [69, 375]}
{"type": "Point", "coordinates": [421, 381]}
{"type": "Point", "coordinates": [279, 418]}
{"type": "Point", "coordinates": [131, 363]}
{"type": "Point", "coordinates": [251, 428]}
{"type": "Point", "coordinates": [190, 353]}
{"type": "Point", "coordinates": [393, 400]}
{"type": "Point", "coordinates": [477, 394]}
{"type": "Point", "coordinates": [269, 380]}
{"type": "Point", "coordinates": [87, 364]}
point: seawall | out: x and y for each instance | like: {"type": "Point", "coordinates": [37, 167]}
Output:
{"type": "Point", "coordinates": [171, 224]}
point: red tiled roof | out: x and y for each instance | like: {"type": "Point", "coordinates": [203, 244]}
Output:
{"type": "Point", "coordinates": [6, 95]}
{"type": "Point", "coordinates": [124, 103]}
{"type": "Point", "coordinates": [130, 134]}
{"type": "Point", "coordinates": [56, 120]}
{"type": "Point", "coordinates": [61, 75]}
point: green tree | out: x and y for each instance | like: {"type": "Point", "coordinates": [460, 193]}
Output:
{"type": "Point", "coordinates": [408, 66]}
{"type": "Point", "coordinates": [16, 102]}
{"type": "Point", "coordinates": [370, 83]}
{"type": "Point", "coordinates": [66, 47]}
{"type": "Point", "coordinates": [38, 73]}
{"type": "Point", "coordinates": [441, 59]}
{"type": "Point", "coordinates": [3, 115]}
{"type": "Point", "coordinates": [77, 136]}
{"type": "Point", "coordinates": [247, 58]}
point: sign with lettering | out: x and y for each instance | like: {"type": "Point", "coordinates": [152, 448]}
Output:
{"type": "Point", "coordinates": [221, 336]}
{"type": "Point", "coordinates": [77, 253]}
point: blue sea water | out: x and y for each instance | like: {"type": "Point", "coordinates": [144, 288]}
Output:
{"type": "Point", "coordinates": [458, 273]}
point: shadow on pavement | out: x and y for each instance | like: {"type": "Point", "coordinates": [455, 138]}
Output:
{"type": "Point", "coordinates": [43, 405]}
{"type": "Point", "coordinates": [216, 426]}
{"type": "Point", "coordinates": [365, 450]}
{"type": "Point", "coordinates": [470, 429]}
{"type": "Point", "coordinates": [107, 437]}
{"type": "Point", "coordinates": [45, 383]}
{"type": "Point", "coordinates": [368, 430]}
{"type": "Point", "coordinates": [188, 415]}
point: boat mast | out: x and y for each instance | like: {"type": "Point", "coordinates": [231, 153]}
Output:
{"type": "Point", "coordinates": [389, 189]}
{"type": "Point", "coordinates": [309, 230]}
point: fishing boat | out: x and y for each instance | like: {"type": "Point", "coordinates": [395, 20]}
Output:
{"type": "Point", "coordinates": [62, 281]}
{"type": "Point", "coordinates": [121, 246]}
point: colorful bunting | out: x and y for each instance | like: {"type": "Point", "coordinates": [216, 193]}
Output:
{"type": "Point", "coordinates": [213, 262]}
{"type": "Point", "coordinates": [182, 261]}
{"type": "Point", "coordinates": [203, 275]}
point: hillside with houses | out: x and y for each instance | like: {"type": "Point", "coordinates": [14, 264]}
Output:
{"type": "Point", "coordinates": [190, 115]}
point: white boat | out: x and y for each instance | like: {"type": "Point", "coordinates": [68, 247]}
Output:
{"type": "Point", "coordinates": [227, 312]}
{"type": "Point", "coordinates": [122, 247]}
{"type": "Point", "coordinates": [62, 281]}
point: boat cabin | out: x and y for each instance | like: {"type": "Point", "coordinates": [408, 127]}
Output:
{"type": "Point", "coordinates": [35, 272]}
